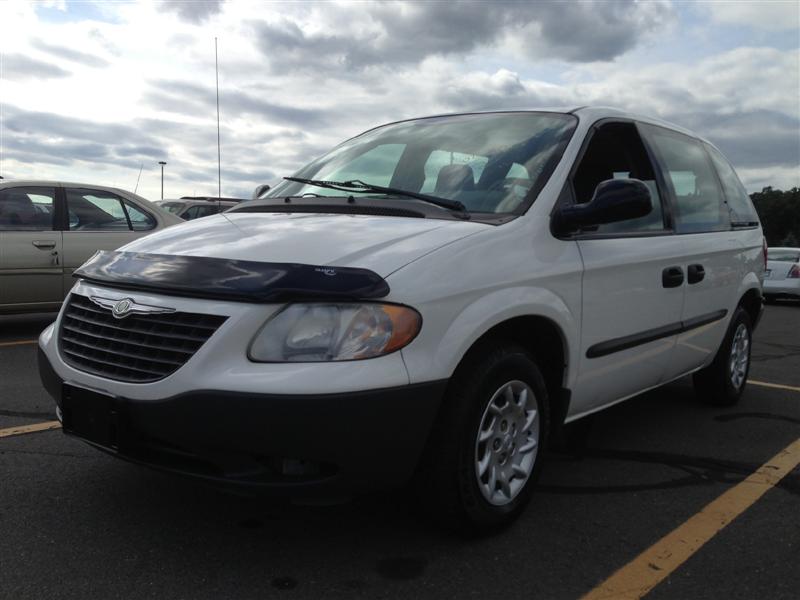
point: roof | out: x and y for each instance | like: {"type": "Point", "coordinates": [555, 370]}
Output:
{"type": "Point", "coordinates": [584, 113]}
{"type": "Point", "coordinates": [595, 113]}
{"type": "Point", "coordinates": [47, 182]}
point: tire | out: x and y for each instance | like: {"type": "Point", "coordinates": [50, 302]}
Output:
{"type": "Point", "coordinates": [723, 381]}
{"type": "Point", "coordinates": [448, 484]}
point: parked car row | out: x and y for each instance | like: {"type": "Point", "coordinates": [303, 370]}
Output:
{"type": "Point", "coordinates": [782, 277]}
{"type": "Point", "coordinates": [48, 229]}
{"type": "Point", "coordinates": [189, 208]}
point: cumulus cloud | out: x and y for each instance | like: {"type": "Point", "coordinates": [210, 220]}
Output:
{"type": "Point", "coordinates": [745, 101]}
{"type": "Point", "coordinates": [589, 32]}
{"type": "Point", "coordinates": [297, 78]}
{"type": "Point", "coordinates": [21, 67]}
{"type": "Point", "coordinates": [766, 14]}
{"type": "Point", "coordinates": [184, 97]}
{"type": "Point", "coordinates": [194, 11]}
{"type": "Point", "coordinates": [89, 60]}
{"type": "Point", "coordinates": [383, 35]}
{"type": "Point", "coordinates": [45, 135]}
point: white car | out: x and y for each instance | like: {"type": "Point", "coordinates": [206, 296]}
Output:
{"type": "Point", "coordinates": [428, 302]}
{"type": "Point", "coordinates": [782, 278]}
{"type": "Point", "coordinates": [190, 208]}
{"type": "Point", "coordinates": [49, 228]}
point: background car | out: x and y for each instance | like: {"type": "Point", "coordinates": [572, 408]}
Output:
{"type": "Point", "coordinates": [48, 229]}
{"type": "Point", "coordinates": [190, 207]}
{"type": "Point", "coordinates": [782, 277]}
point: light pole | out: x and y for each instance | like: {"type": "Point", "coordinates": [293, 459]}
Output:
{"type": "Point", "coordinates": [162, 163]}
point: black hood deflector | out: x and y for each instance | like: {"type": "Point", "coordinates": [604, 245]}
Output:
{"type": "Point", "coordinates": [226, 279]}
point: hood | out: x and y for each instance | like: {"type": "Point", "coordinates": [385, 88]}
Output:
{"type": "Point", "coordinates": [381, 244]}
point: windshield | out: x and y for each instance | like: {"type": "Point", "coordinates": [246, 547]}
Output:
{"type": "Point", "coordinates": [173, 207]}
{"type": "Point", "coordinates": [494, 162]}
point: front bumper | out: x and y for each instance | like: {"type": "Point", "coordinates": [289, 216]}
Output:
{"type": "Point", "coordinates": [308, 445]}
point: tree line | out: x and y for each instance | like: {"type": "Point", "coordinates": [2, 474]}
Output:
{"type": "Point", "coordinates": [779, 213]}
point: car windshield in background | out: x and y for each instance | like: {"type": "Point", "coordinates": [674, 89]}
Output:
{"type": "Point", "coordinates": [492, 162]}
{"type": "Point", "coordinates": [783, 255]}
{"type": "Point", "coordinates": [173, 207]}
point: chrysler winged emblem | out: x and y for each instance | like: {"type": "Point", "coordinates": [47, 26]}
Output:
{"type": "Point", "coordinates": [121, 308]}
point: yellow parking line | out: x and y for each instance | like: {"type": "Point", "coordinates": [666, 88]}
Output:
{"type": "Point", "coordinates": [29, 428]}
{"type": "Point", "coordinates": [778, 386]}
{"type": "Point", "coordinates": [655, 564]}
{"type": "Point", "coordinates": [17, 343]}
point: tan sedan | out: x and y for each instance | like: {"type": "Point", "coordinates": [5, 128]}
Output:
{"type": "Point", "coordinates": [48, 229]}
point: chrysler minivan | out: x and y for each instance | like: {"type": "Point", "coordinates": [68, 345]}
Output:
{"type": "Point", "coordinates": [427, 303]}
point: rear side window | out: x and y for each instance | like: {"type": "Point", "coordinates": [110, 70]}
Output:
{"type": "Point", "coordinates": [740, 207]}
{"type": "Point", "coordinates": [95, 210]}
{"type": "Point", "coordinates": [140, 220]}
{"type": "Point", "coordinates": [98, 210]}
{"type": "Point", "coordinates": [699, 203]}
{"type": "Point", "coordinates": [174, 207]}
{"type": "Point", "coordinates": [27, 209]}
{"type": "Point", "coordinates": [197, 211]}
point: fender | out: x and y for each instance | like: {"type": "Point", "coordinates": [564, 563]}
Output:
{"type": "Point", "coordinates": [491, 309]}
{"type": "Point", "coordinates": [749, 282]}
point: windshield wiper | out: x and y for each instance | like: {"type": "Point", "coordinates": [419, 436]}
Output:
{"type": "Point", "coordinates": [358, 185]}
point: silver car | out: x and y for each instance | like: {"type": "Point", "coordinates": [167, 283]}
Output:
{"type": "Point", "coordinates": [189, 209]}
{"type": "Point", "coordinates": [782, 277]}
{"type": "Point", "coordinates": [48, 229]}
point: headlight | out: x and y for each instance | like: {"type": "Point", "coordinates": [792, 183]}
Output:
{"type": "Point", "coordinates": [328, 332]}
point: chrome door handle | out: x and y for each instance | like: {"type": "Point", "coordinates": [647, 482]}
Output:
{"type": "Point", "coordinates": [44, 245]}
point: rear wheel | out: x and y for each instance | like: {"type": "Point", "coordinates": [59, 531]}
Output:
{"type": "Point", "coordinates": [724, 380]}
{"type": "Point", "coordinates": [485, 451]}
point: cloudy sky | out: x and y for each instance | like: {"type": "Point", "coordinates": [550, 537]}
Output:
{"type": "Point", "coordinates": [92, 91]}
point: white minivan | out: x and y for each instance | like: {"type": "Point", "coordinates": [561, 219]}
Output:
{"type": "Point", "coordinates": [426, 303]}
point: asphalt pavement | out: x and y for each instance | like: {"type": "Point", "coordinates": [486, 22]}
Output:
{"type": "Point", "coordinates": [75, 523]}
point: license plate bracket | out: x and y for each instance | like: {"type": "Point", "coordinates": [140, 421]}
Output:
{"type": "Point", "coordinates": [92, 416]}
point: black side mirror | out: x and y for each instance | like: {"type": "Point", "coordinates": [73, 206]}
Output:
{"type": "Point", "coordinates": [261, 189]}
{"type": "Point", "coordinates": [614, 200]}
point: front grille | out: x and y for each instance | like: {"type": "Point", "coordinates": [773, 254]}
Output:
{"type": "Point", "coordinates": [137, 348]}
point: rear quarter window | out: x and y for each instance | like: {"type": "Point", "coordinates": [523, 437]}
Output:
{"type": "Point", "coordinates": [699, 201]}
{"type": "Point", "coordinates": [740, 206]}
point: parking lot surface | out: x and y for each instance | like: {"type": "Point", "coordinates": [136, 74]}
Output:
{"type": "Point", "coordinates": [75, 523]}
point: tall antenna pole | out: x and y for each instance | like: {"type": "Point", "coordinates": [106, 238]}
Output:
{"type": "Point", "coordinates": [137, 178]}
{"type": "Point", "coordinates": [219, 155]}
{"type": "Point", "coordinates": [162, 163]}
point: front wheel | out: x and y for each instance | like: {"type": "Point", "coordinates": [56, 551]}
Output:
{"type": "Point", "coordinates": [485, 452]}
{"type": "Point", "coordinates": [724, 380]}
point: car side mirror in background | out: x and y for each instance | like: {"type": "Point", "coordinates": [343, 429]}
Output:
{"type": "Point", "coordinates": [614, 200]}
{"type": "Point", "coordinates": [261, 189]}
